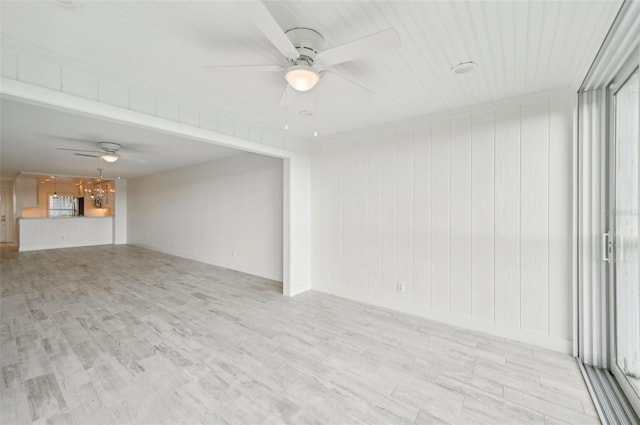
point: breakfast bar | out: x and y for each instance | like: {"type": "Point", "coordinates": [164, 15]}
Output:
{"type": "Point", "coordinates": [64, 232]}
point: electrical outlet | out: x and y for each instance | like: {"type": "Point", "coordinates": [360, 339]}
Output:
{"type": "Point", "coordinates": [401, 287]}
{"type": "Point", "coordinates": [233, 253]}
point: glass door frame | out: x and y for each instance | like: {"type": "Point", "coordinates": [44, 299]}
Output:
{"type": "Point", "coordinates": [631, 65]}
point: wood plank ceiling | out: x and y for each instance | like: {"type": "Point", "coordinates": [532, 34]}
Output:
{"type": "Point", "coordinates": [521, 47]}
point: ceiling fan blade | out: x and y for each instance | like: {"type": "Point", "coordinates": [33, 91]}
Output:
{"type": "Point", "coordinates": [346, 80]}
{"type": "Point", "coordinates": [72, 139]}
{"type": "Point", "coordinates": [78, 150]}
{"type": "Point", "coordinates": [258, 13]}
{"type": "Point", "coordinates": [369, 45]}
{"type": "Point", "coordinates": [132, 158]}
{"type": "Point", "coordinates": [244, 68]}
{"type": "Point", "coordinates": [90, 156]}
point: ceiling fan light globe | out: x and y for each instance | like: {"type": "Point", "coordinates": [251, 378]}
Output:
{"type": "Point", "coordinates": [110, 157]}
{"type": "Point", "coordinates": [301, 77]}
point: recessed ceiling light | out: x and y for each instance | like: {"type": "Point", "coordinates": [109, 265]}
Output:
{"type": "Point", "coordinates": [306, 113]}
{"type": "Point", "coordinates": [464, 67]}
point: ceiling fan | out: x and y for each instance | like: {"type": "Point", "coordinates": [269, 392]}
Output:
{"type": "Point", "coordinates": [108, 152]}
{"type": "Point", "coordinates": [307, 62]}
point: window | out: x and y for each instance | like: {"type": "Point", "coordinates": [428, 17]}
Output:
{"type": "Point", "coordinates": [62, 206]}
{"type": "Point", "coordinates": [626, 225]}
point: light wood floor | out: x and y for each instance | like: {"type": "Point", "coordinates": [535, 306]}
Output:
{"type": "Point", "coordinates": [127, 335]}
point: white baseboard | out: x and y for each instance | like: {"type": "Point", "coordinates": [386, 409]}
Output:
{"type": "Point", "coordinates": [480, 325]}
{"type": "Point", "coordinates": [298, 290]}
{"type": "Point", "coordinates": [71, 244]}
{"type": "Point", "coordinates": [215, 262]}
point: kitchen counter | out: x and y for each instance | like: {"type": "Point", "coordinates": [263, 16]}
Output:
{"type": "Point", "coordinates": [57, 218]}
{"type": "Point", "coordinates": [64, 232]}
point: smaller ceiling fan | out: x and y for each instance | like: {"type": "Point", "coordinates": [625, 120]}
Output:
{"type": "Point", "coordinates": [306, 60]}
{"type": "Point", "coordinates": [108, 152]}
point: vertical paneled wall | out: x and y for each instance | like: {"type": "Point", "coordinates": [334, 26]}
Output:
{"type": "Point", "coordinates": [465, 218]}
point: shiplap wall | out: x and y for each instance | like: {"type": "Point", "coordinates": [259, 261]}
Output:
{"type": "Point", "coordinates": [46, 233]}
{"type": "Point", "coordinates": [470, 211]}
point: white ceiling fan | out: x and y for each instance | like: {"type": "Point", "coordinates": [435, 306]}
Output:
{"type": "Point", "coordinates": [302, 48]}
{"type": "Point", "coordinates": [108, 152]}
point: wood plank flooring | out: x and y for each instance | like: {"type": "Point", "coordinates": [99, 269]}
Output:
{"type": "Point", "coordinates": [117, 335]}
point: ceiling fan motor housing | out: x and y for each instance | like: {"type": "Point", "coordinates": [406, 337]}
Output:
{"type": "Point", "coordinates": [109, 147]}
{"type": "Point", "coordinates": [307, 42]}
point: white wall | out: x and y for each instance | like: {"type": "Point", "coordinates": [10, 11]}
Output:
{"type": "Point", "coordinates": [226, 212]}
{"type": "Point", "coordinates": [297, 219]}
{"type": "Point", "coordinates": [471, 211]}
{"type": "Point", "coordinates": [120, 212]}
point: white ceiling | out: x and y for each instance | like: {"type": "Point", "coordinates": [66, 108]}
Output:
{"type": "Point", "coordinates": [522, 47]}
{"type": "Point", "coordinates": [30, 135]}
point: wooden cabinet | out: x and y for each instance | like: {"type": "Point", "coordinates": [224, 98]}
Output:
{"type": "Point", "coordinates": [26, 193]}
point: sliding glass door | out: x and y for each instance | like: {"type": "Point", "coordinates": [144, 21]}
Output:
{"type": "Point", "coordinates": [625, 255]}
